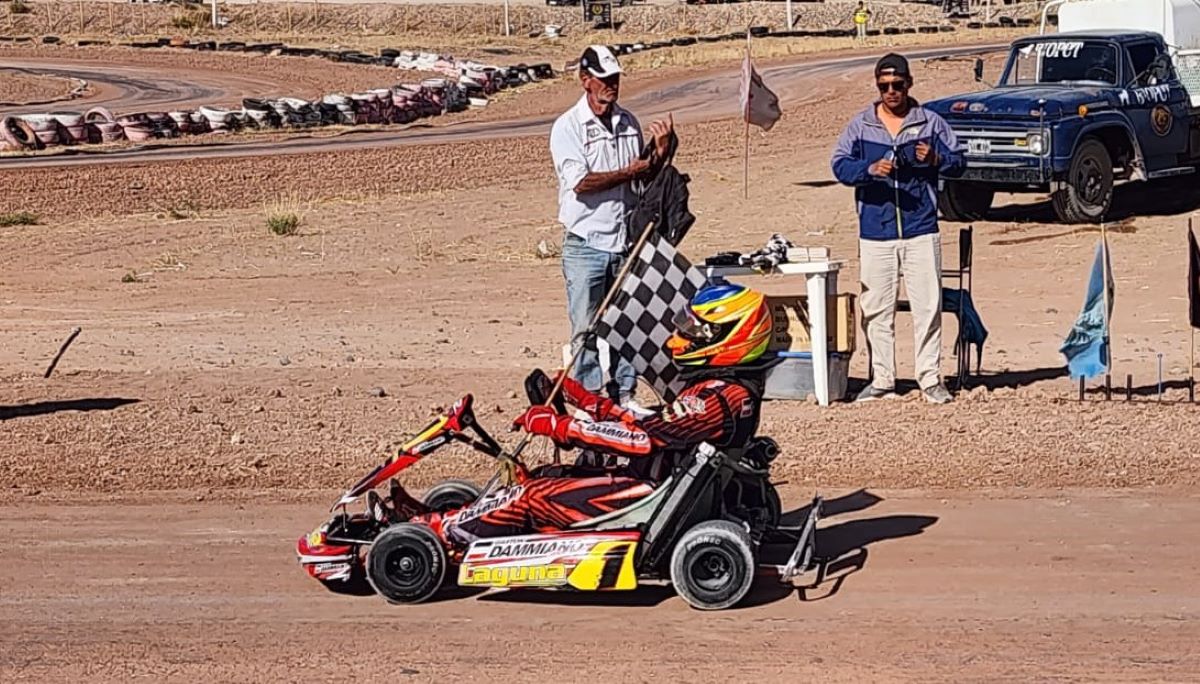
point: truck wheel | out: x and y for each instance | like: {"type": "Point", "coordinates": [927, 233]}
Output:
{"type": "Point", "coordinates": [964, 201]}
{"type": "Point", "coordinates": [406, 563]}
{"type": "Point", "coordinates": [1087, 194]}
{"type": "Point", "coordinates": [712, 566]}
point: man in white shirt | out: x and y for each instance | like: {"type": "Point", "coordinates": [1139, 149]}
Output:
{"type": "Point", "coordinates": [596, 146]}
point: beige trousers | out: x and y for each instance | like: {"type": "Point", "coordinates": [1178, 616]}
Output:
{"type": "Point", "coordinates": [919, 261]}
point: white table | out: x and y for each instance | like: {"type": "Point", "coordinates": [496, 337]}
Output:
{"type": "Point", "coordinates": [821, 281]}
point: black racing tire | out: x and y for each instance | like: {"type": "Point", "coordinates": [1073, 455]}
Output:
{"type": "Point", "coordinates": [406, 563]}
{"type": "Point", "coordinates": [450, 494]}
{"type": "Point", "coordinates": [963, 201]}
{"type": "Point", "coordinates": [1087, 194]}
{"type": "Point", "coordinates": [774, 508]}
{"type": "Point", "coordinates": [712, 566]}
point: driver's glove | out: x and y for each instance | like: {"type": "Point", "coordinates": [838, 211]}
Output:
{"type": "Point", "coordinates": [545, 422]}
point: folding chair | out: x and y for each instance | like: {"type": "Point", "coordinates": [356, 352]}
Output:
{"type": "Point", "coordinates": [962, 277]}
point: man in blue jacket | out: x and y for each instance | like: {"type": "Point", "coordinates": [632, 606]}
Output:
{"type": "Point", "coordinates": [892, 154]}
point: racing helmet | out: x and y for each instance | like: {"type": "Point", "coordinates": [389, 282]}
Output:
{"type": "Point", "coordinates": [723, 325]}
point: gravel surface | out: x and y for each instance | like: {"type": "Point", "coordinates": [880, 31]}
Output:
{"type": "Point", "coordinates": [254, 357]}
{"type": "Point", "coordinates": [17, 88]}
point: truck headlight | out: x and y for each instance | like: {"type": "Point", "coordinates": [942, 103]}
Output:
{"type": "Point", "coordinates": [1037, 143]}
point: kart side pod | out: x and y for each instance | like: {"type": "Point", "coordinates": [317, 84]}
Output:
{"type": "Point", "coordinates": [594, 561]}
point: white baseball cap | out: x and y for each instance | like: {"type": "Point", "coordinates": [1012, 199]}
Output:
{"type": "Point", "coordinates": [599, 61]}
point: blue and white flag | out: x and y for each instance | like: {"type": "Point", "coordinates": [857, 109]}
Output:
{"type": "Point", "coordinates": [1087, 344]}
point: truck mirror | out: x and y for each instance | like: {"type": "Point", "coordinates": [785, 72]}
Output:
{"type": "Point", "coordinates": [978, 69]}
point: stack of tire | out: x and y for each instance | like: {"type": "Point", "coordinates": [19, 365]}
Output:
{"type": "Point", "coordinates": [463, 85]}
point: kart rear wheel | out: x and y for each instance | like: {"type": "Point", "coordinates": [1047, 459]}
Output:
{"type": "Point", "coordinates": [774, 508]}
{"type": "Point", "coordinates": [712, 566]}
{"type": "Point", "coordinates": [406, 563]}
{"type": "Point", "coordinates": [450, 494]}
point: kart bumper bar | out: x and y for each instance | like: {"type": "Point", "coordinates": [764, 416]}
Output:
{"type": "Point", "coordinates": [803, 556]}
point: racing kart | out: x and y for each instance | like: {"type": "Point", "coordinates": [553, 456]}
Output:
{"type": "Point", "coordinates": [701, 528]}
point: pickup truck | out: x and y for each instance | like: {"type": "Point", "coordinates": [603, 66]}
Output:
{"type": "Point", "coordinates": [1073, 113]}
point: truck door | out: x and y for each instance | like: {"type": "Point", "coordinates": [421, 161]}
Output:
{"type": "Point", "coordinates": [1157, 106]}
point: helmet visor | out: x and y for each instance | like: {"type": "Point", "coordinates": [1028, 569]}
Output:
{"type": "Point", "coordinates": [691, 328]}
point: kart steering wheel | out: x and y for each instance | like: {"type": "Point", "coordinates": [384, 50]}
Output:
{"type": "Point", "coordinates": [538, 387]}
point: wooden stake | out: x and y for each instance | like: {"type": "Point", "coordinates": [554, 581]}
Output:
{"type": "Point", "coordinates": [1107, 387]}
{"type": "Point", "coordinates": [61, 350]}
{"type": "Point", "coordinates": [80, 5]}
{"type": "Point", "coordinates": [1081, 387]}
{"type": "Point", "coordinates": [1129, 387]}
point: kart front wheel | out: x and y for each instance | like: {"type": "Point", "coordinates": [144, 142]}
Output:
{"type": "Point", "coordinates": [712, 566]}
{"type": "Point", "coordinates": [406, 563]}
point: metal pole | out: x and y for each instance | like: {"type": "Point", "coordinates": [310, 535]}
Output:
{"type": "Point", "coordinates": [214, 13]}
{"type": "Point", "coordinates": [746, 116]}
{"type": "Point", "coordinates": [1129, 387]}
{"type": "Point", "coordinates": [1107, 300]}
{"type": "Point", "coordinates": [507, 26]}
{"type": "Point", "coordinates": [790, 20]}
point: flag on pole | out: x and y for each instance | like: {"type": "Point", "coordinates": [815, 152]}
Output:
{"type": "Point", "coordinates": [1193, 280]}
{"type": "Point", "coordinates": [760, 106]}
{"type": "Point", "coordinates": [660, 283]}
{"type": "Point", "coordinates": [1087, 344]}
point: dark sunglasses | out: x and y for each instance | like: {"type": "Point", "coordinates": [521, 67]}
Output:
{"type": "Point", "coordinates": [898, 86]}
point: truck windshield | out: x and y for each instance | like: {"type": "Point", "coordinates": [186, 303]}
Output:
{"type": "Point", "coordinates": [1062, 61]}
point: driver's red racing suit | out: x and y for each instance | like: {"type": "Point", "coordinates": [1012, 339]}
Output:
{"type": "Point", "coordinates": [721, 412]}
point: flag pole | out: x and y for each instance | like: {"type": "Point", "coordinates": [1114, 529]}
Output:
{"type": "Point", "coordinates": [746, 117]}
{"type": "Point", "coordinates": [1107, 331]}
{"type": "Point", "coordinates": [612, 292]}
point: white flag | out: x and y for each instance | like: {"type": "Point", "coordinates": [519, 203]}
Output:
{"type": "Point", "coordinates": [760, 106]}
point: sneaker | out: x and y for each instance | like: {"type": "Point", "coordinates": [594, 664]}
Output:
{"type": "Point", "coordinates": [871, 393]}
{"type": "Point", "coordinates": [938, 394]}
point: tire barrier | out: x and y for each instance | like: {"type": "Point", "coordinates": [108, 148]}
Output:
{"type": "Point", "coordinates": [18, 135]}
{"type": "Point", "coordinates": [458, 86]}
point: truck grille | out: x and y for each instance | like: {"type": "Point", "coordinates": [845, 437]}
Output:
{"type": "Point", "coordinates": [977, 143]}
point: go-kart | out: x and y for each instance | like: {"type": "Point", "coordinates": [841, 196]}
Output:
{"type": "Point", "coordinates": [701, 528]}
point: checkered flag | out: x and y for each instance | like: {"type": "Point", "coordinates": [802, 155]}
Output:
{"type": "Point", "coordinates": [637, 324]}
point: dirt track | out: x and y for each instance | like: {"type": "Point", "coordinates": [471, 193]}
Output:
{"type": "Point", "coordinates": [154, 486]}
{"type": "Point", "coordinates": [692, 99]}
{"type": "Point", "coordinates": [1000, 586]}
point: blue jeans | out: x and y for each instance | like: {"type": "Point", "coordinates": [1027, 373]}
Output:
{"type": "Point", "coordinates": [589, 274]}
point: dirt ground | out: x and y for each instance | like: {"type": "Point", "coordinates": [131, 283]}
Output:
{"type": "Point", "coordinates": [226, 385]}
{"type": "Point", "coordinates": [17, 88]}
{"type": "Point", "coordinates": [1025, 586]}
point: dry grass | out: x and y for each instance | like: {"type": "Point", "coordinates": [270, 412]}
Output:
{"type": "Point", "coordinates": [18, 218]}
{"type": "Point", "coordinates": [284, 216]}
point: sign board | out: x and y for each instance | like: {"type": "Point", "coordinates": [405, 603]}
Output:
{"type": "Point", "coordinates": [790, 323]}
{"type": "Point", "coordinates": [598, 11]}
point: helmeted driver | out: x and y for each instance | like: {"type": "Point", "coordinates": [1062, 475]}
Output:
{"type": "Point", "coordinates": [724, 326]}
